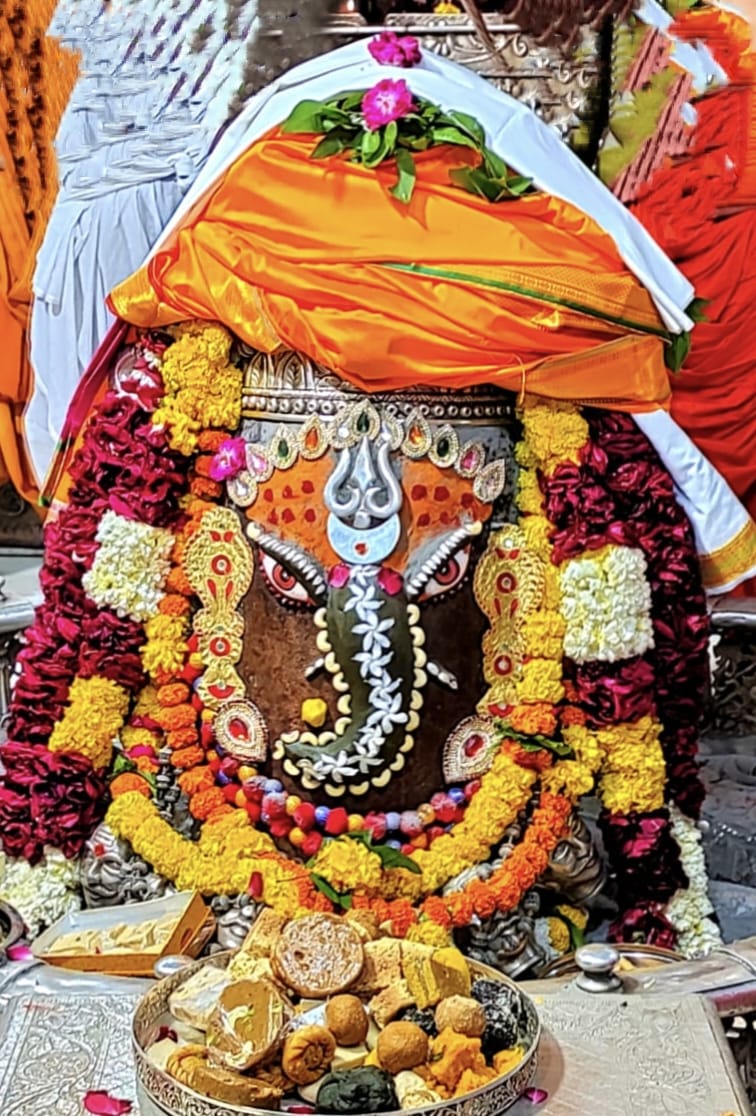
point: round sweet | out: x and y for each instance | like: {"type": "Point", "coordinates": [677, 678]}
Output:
{"type": "Point", "coordinates": [347, 1020]}
{"type": "Point", "coordinates": [247, 1025]}
{"type": "Point", "coordinates": [402, 1046]}
{"type": "Point", "coordinates": [354, 1092]}
{"type": "Point", "coordinates": [501, 1009]}
{"type": "Point", "coordinates": [461, 1014]}
{"type": "Point", "coordinates": [318, 956]}
{"type": "Point", "coordinates": [307, 1054]}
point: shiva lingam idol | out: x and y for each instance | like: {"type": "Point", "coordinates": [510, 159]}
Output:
{"type": "Point", "coordinates": [367, 520]}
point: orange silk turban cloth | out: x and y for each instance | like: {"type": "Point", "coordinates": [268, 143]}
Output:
{"type": "Point", "coordinates": [315, 255]}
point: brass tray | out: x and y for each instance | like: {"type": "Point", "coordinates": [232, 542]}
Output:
{"type": "Point", "coordinates": [168, 1097]}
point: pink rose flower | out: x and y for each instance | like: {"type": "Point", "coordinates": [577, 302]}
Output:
{"type": "Point", "coordinates": [230, 459]}
{"type": "Point", "coordinates": [388, 100]}
{"type": "Point", "coordinates": [390, 49]}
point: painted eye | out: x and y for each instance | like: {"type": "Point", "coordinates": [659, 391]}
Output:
{"type": "Point", "coordinates": [282, 582]}
{"type": "Point", "coordinates": [448, 575]}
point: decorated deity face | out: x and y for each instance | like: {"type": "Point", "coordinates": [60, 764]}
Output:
{"type": "Point", "coordinates": [361, 660]}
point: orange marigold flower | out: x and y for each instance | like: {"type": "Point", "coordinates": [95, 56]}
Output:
{"type": "Point", "coordinates": [146, 763]}
{"type": "Point", "coordinates": [199, 778]}
{"type": "Point", "coordinates": [210, 441]}
{"type": "Point", "coordinates": [177, 716]}
{"type": "Point", "coordinates": [182, 738]}
{"type": "Point", "coordinates": [482, 899]}
{"type": "Point", "coordinates": [175, 693]}
{"type": "Point", "coordinates": [124, 784]}
{"type": "Point", "coordinates": [205, 488]}
{"type": "Point", "coordinates": [571, 715]}
{"type": "Point", "coordinates": [174, 604]}
{"type": "Point", "coordinates": [178, 582]}
{"type": "Point", "coordinates": [206, 802]}
{"type": "Point", "coordinates": [533, 719]}
{"type": "Point", "coordinates": [187, 757]}
{"type": "Point", "coordinates": [202, 464]}
{"type": "Point", "coordinates": [435, 908]}
{"type": "Point", "coordinates": [162, 677]}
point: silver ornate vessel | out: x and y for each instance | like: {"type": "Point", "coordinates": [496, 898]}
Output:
{"type": "Point", "coordinates": [161, 1095]}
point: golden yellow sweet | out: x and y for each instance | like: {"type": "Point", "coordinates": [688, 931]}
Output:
{"type": "Point", "coordinates": [402, 1046]}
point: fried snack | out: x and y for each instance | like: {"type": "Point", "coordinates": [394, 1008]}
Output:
{"type": "Point", "coordinates": [413, 1092]}
{"type": "Point", "coordinates": [402, 1046]}
{"type": "Point", "coordinates": [347, 1020]}
{"type": "Point", "coordinates": [461, 1014]}
{"type": "Point", "coordinates": [318, 955]}
{"type": "Point", "coordinates": [382, 967]}
{"type": "Point", "coordinates": [194, 1001]}
{"type": "Point", "coordinates": [245, 966]}
{"type": "Point", "coordinates": [190, 1066]}
{"type": "Point", "coordinates": [391, 1002]}
{"type": "Point", "coordinates": [247, 1025]}
{"type": "Point", "coordinates": [263, 934]}
{"type": "Point", "coordinates": [307, 1054]}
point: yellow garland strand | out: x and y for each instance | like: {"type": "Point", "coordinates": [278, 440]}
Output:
{"type": "Point", "coordinates": [96, 711]}
{"type": "Point", "coordinates": [222, 862]}
{"type": "Point", "coordinates": [202, 388]}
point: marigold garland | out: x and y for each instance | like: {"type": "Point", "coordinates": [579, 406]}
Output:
{"type": "Point", "coordinates": [95, 714]}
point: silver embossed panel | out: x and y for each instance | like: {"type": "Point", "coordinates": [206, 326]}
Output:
{"type": "Point", "coordinates": [53, 1049]}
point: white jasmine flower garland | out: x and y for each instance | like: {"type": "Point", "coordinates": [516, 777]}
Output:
{"type": "Point", "coordinates": [41, 894]}
{"type": "Point", "coordinates": [689, 910]}
{"type": "Point", "coordinates": [130, 567]}
{"type": "Point", "coordinates": [606, 604]}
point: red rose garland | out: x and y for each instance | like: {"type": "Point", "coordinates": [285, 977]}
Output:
{"type": "Point", "coordinates": [620, 493]}
{"type": "Point", "coordinates": [126, 465]}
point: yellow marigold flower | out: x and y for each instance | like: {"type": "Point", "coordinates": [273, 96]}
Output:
{"type": "Point", "coordinates": [552, 595]}
{"type": "Point", "coordinates": [585, 744]}
{"type": "Point", "coordinates": [541, 681]}
{"type": "Point", "coordinates": [400, 883]}
{"type": "Point", "coordinates": [429, 933]}
{"type": "Point", "coordinates": [529, 495]}
{"type": "Point", "coordinates": [543, 631]}
{"type": "Point", "coordinates": [633, 774]}
{"type": "Point", "coordinates": [348, 865]}
{"type": "Point", "coordinates": [96, 711]}
{"type": "Point", "coordinates": [574, 915]}
{"type": "Point", "coordinates": [136, 737]}
{"type": "Point", "coordinates": [536, 530]}
{"type": "Point", "coordinates": [554, 432]}
{"type": "Point", "coordinates": [147, 704]}
{"type": "Point", "coordinates": [559, 935]}
{"type": "Point", "coordinates": [569, 778]}
{"type": "Point", "coordinates": [165, 647]}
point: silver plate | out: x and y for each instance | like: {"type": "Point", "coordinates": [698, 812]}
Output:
{"type": "Point", "coordinates": [174, 1099]}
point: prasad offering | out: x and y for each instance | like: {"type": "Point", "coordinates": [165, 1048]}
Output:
{"type": "Point", "coordinates": [127, 940]}
{"type": "Point", "coordinates": [341, 1025]}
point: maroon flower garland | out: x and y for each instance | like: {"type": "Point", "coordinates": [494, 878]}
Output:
{"type": "Point", "coordinates": [620, 493]}
{"type": "Point", "coordinates": [124, 464]}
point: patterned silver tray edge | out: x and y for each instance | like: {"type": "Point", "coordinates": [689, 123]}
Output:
{"type": "Point", "coordinates": [179, 1100]}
